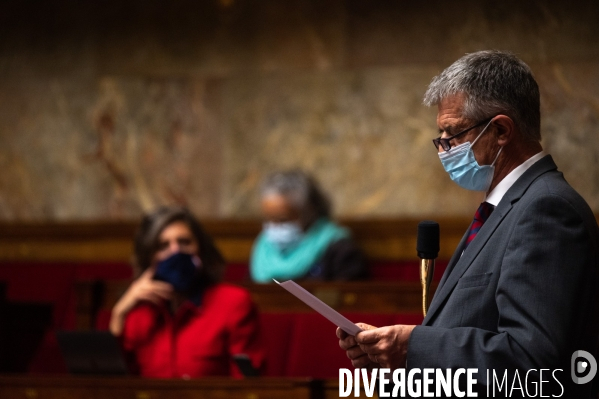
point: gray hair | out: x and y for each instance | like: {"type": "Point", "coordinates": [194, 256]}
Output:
{"type": "Point", "coordinates": [301, 190]}
{"type": "Point", "coordinates": [493, 82]}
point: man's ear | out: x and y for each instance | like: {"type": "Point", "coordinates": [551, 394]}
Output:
{"type": "Point", "coordinates": [505, 129]}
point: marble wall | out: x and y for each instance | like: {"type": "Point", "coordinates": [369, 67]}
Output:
{"type": "Point", "coordinates": [110, 108]}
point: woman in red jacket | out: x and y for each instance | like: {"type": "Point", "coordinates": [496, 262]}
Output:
{"type": "Point", "coordinates": [176, 319]}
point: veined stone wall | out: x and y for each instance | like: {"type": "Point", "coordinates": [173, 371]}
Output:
{"type": "Point", "coordinates": [110, 108]}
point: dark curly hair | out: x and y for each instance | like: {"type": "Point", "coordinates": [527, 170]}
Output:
{"type": "Point", "coordinates": [148, 234]}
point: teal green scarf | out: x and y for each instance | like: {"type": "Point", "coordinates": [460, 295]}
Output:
{"type": "Point", "coordinates": [268, 261]}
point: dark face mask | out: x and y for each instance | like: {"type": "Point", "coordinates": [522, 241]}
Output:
{"type": "Point", "coordinates": [179, 270]}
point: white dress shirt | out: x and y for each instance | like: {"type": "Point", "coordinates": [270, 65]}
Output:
{"type": "Point", "coordinates": [500, 189]}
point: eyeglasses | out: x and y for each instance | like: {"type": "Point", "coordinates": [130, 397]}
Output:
{"type": "Point", "coordinates": [444, 142]}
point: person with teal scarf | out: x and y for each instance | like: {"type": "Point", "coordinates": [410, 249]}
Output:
{"type": "Point", "coordinates": [299, 240]}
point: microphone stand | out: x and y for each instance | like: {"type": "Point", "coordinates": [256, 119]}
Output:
{"type": "Point", "coordinates": [427, 270]}
{"type": "Point", "coordinates": [427, 247]}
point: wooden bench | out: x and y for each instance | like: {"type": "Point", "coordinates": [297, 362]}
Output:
{"type": "Point", "coordinates": [28, 387]}
{"type": "Point", "coordinates": [61, 387]}
{"type": "Point", "coordinates": [97, 297]}
{"type": "Point", "coordinates": [102, 242]}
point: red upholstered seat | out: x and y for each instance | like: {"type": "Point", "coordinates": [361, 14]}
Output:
{"type": "Point", "coordinates": [297, 344]}
{"type": "Point", "coordinates": [304, 344]}
{"type": "Point", "coordinates": [237, 272]}
{"type": "Point", "coordinates": [277, 331]}
{"type": "Point", "coordinates": [314, 350]}
{"type": "Point", "coordinates": [34, 282]}
{"type": "Point", "coordinates": [54, 283]}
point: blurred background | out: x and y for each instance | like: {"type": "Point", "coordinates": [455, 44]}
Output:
{"type": "Point", "coordinates": [111, 108]}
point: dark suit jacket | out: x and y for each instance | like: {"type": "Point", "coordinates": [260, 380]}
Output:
{"type": "Point", "coordinates": [523, 295]}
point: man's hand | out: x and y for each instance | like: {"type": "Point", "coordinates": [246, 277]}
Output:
{"type": "Point", "coordinates": [387, 346]}
{"type": "Point", "coordinates": [380, 347]}
{"type": "Point", "coordinates": [348, 343]}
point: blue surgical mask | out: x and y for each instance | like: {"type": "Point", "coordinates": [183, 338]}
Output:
{"type": "Point", "coordinates": [179, 270]}
{"type": "Point", "coordinates": [460, 163]}
{"type": "Point", "coordinates": [283, 235]}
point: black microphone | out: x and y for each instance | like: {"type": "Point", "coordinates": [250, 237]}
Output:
{"type": "Point", "coordinates": [427, 246]}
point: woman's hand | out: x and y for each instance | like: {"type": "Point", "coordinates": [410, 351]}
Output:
{"type": "Point", "coordinates": [144, 288]}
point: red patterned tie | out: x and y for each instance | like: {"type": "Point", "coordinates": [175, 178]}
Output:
{"type": "Point", "coordinates": [480, 217]}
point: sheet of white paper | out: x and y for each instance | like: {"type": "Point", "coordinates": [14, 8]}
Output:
{"type": "Point", "coordinates": [331, 314]}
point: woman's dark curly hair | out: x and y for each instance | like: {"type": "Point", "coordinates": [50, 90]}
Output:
{"type": "Point", "coordinates": [148, 234]}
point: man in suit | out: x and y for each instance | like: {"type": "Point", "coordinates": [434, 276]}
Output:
{"type": "Point", "coordinates": [520, 292]}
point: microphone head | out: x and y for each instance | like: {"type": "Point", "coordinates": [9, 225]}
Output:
{"type": "Point", "coordinates": [427, 243]}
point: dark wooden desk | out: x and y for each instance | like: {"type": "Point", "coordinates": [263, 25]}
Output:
{"type": "Point", "coordinates": [349, 297]}
{"type": "Point", "coordinates": [65, 387]}
{"type": "Point", "coordinates": [378, 297]}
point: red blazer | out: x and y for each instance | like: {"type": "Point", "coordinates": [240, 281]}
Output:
{"type": "Point", "coordinates": [196, 341]}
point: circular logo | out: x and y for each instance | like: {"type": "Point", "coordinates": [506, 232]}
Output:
{"type": "Point", "coordinates": [580, 367]}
